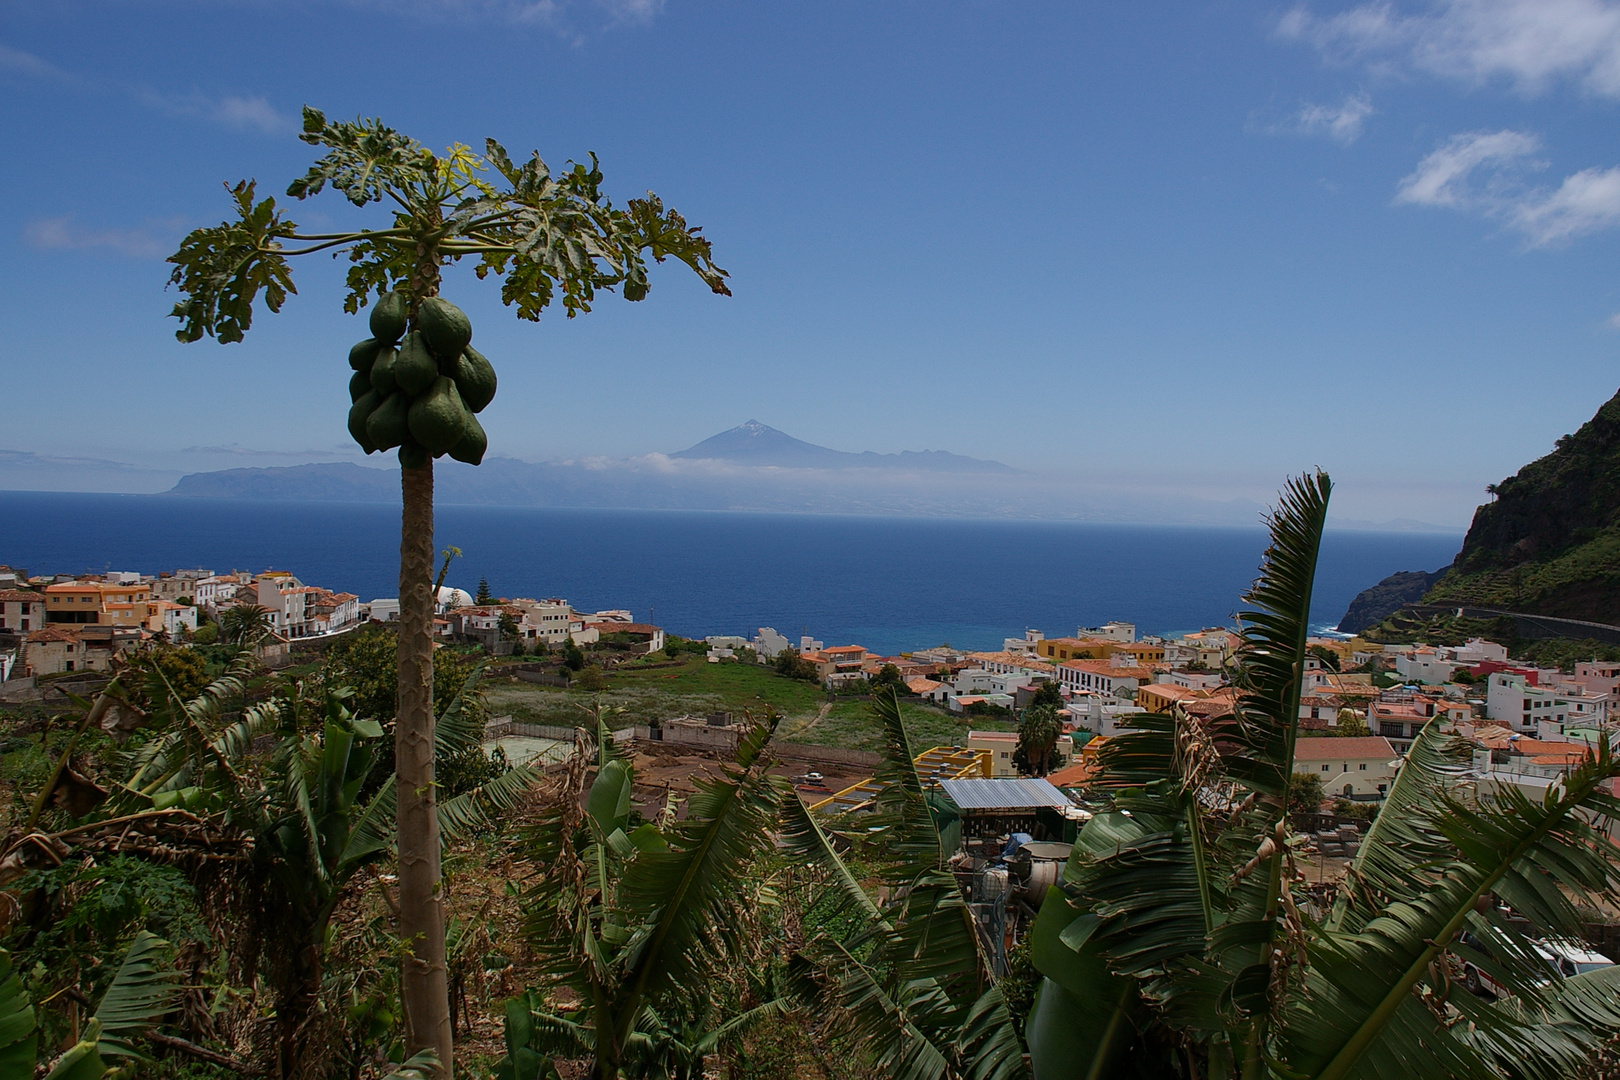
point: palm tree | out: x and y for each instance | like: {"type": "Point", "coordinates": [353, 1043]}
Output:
{"type": "Point", "coordinates": [907, 977]}
{"type": "Point", "coordinates": [1038, 732]}
{"type": "Point", "coordinates": [643, 923]}
{"type": "Point", "coordinates": [245, 625]}
{"type": "Point", "coordinates": [1178, 946]}
{"type": "Point", "coordinates": [541, 236]}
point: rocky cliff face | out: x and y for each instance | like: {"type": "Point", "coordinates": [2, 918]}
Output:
{"type": "Point", "coordinates": [1549, 543]}
{"type": "Point", "coordinates": [1374, 605]}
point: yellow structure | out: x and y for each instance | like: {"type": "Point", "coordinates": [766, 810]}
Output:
{"type": "Point", "coordinates": [934, 765]}
{"type": "Point", "coordinates": [95, 602]}
{"type": "Point", "coordinates": [1068, 648]}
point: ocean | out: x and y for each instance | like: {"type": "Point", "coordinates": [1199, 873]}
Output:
{"type": "Point", "coordinates": [887, 583]}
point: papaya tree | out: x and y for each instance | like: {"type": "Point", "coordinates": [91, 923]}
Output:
{"type": "Point", "coordinates": [416, 382]}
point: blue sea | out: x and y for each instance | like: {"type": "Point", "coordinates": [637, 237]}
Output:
{"type": "Point", "coordinates": [888, 583]}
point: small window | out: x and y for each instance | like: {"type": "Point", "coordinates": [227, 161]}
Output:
{"type": "Point", "coordinates": [1324, 768]}
{"type": "Point", "coordinates": [1363, 766]}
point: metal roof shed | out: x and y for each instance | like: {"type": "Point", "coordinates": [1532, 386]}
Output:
{"type": "Point", "coordinates": [1005, 795]}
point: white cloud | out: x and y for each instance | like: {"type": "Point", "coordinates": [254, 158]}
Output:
{"type": "Point", "coordinates": [1585, 202]}
{"type": "Point", "coordinates": [21, 63]}
{"type": "Point", "coordinates": [250, 112]}
{"type": "Point", "coordinates": [1483, 172]}
{"type": "Point", "coordinates": [65, 234]}
{"type": "Point", "coordinates": [633, 12]}
{"type": "Point", "coordinates": [1343, 122]}
{"type": "Point", "coordinates": [241, 113]}
{"type": "Point", "coordinates": [1614, 320]}
{"type": "Point", "coordinates": [1532, 43]}
{"type": "Point", "coordinates": [1442, 178]}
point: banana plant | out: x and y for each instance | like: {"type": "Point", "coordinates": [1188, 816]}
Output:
{"type": "Point", "coordinates": [643, 923]}
{"type": "Point", "coordinates": [1175, 945]}
{"type": "Point", "coordinates": [907, 978]}
{"type": "Point", "coordinates": [313, 830]}
{"type": "Point", "coordinates": [140, 994]}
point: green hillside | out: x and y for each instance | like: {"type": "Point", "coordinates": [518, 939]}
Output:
{"type": "Point", "coordinates": [1549, 542]}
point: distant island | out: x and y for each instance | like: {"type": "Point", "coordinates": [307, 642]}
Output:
{"type": "Point", "coordinates": [755, 443]}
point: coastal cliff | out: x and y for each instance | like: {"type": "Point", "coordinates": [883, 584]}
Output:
{"type": "Point", "coordinates": [1372, 606]}
{"type": "Point", "coordinates": [1549, 542]}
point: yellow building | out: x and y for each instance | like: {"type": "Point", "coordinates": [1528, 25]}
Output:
{"type": "Point", "coordinates": [1067, 648]}
{"type": "Point", "coordinates": [96, 602]}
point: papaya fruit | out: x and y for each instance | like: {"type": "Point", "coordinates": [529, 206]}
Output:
{"type": "Point", "coordinates": [359, 385]}
{"type": "Point", "coordinates": [437, 417]}
{"type": "Point", "coordinates": [473, 443]}
{"type": "Point", "coordinates": [412, 456]}
{"type": "Point", "coordinates": [443, 326]}
{"type": "Point", "coordinates": [382, 371]}
{"type": "Point", "coordinates": [414, 367]}
{"type": "Point", "coordinates": [361, 356]}
{"type": "Point", "coordinates": [475, 378]}
{"type": "Point", "coordinates": [359, 413]}
{"type": "Point", "coordinates": [388, 318]}
{"type": "Point", "coordinates": [389, 423]}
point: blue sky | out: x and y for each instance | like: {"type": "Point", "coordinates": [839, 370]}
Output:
{"type": "Point", "coordinates": [1190, 247]}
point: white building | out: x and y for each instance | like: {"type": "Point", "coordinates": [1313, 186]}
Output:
{"type": "Point", "coordinates": [1102, 715]}
{"type": "Point", "coordinates": [1350, 768]}
{"type": "Point", "coordinates": [1025, 645]}
{"type": "Point", "coordinates": [552, 621]}
{"type": "Point", "coordinates": [1426, 666]}
{"type": "Point", "coordinates": [1103, 676]}
{"type": "Point", "coordinates": [1109, 631]}
{"type": "Point", "coordinates": [1512, 702]}
{"type": "Point", "coordinates": [767, 643]}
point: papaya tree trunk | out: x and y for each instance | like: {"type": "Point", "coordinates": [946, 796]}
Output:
{"type": "Point", "coordinates": [424, 982]}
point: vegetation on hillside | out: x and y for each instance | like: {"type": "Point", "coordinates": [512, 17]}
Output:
{"type": "Point", "coordinates": [1549, 541]}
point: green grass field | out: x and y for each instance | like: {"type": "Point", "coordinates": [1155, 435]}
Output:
{"type": "Point", "coordinates": [699, 687]}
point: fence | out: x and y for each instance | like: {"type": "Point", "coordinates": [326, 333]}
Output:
{"type": "Point", "coordinates": [503, 726]}
{"type": "Point", "coordinates": [536, 675]}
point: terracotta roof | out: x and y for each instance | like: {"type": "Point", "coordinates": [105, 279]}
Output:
{"type": "Point", "coordinates": [20, 596]}
{"type": "Point", "coordinates": [1335, 748]}
{"type": "Point", "coordinates": [1075, 774]}
{"type": "Point", "coordinates": [920, 685]}
{"type": "Point", "coordinates": [845, 649]}
{"type": "Point", "coordinates": [52, 633]}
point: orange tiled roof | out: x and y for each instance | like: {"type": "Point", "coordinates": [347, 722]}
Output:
{"type": "Point", "coordinates": [1330, 748]}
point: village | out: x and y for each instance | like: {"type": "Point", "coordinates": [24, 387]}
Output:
{"type": "Point", "coordinates": [1019, 801]}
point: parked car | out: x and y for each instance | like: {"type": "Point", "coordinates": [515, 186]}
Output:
{"type": "Point", "coordinates": [1564, 957]}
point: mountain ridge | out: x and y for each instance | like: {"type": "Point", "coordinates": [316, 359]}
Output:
{"type": "Point", "coordinates": [754, 443]}
{"type": "Point", "coordinates": [1549, 542]}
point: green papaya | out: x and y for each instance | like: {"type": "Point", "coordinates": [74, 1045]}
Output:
{"type": "Point", "coordinates": [473, 443]}
{"type": "Point", "coordinates": [414, 367]}
{"type": "Point", "coordinates": [437, 418]}
{"type": "Point", "coordinates": [475, 378]}
{"type": "Point", "coordinates": [382, 371]}
{"type": "Point", "coordinates": [412, 456]}
{"type": "Point", "coordinates": [389, 423]}
{"type": "Point", "coordinates": [361, 356]}
{"type": "Point", "coordinates": [359, 385]}
{"type": "Point", "coordinates": [443, 326]}
{"type": "Point", "coordinates": [388, 318]}
{"type": "Point", "coordinates": [359, 413]}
